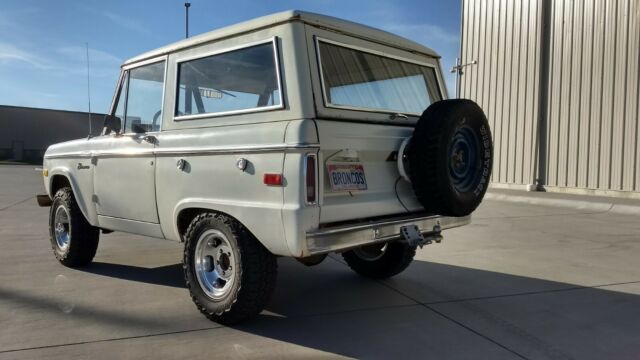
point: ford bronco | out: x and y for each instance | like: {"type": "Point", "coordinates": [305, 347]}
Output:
{"type": "Point", "coordinates": [294, 134]}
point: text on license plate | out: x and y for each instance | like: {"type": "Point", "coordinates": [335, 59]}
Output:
{"type": "Point", "coordinates": [347, 177]}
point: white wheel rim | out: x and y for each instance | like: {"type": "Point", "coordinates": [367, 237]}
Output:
{"type": "Point", "coordinates": [215, 264]}
{"type": "Point", "coordinates": [61, 228]}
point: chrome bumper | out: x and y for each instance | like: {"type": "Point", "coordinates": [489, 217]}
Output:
{"type": "Point", "coordinates": [353, 235]}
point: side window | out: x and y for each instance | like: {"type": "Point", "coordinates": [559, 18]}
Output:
{"type": "Point", "coordinates": [144, 98]}
{"type": "Point", "coordinates": [237, 80]}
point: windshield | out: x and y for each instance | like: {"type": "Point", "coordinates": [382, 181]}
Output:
{"type": "Point", "coordinates": [361, 80]}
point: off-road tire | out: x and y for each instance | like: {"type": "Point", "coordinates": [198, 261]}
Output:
{"type": "Point", "coordinates": [393, 261]}
{"type": "Point", "coordinates": [255, 276]}
{"type": "Point", "coordinates": [438, 187]}
{"type": "Point", "coordinates": [83, 238]}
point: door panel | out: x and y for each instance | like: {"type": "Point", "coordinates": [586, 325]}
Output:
{"type": "Point", "coordinates": [125, 180]}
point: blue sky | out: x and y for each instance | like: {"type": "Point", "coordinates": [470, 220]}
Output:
{"type": "Point", "coordinates": [42, 43]}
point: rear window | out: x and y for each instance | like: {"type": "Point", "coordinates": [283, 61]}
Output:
{"type": "Point", "coordinates": [240, 80]}
{"type": "Point", "coordinates": [359, 80]}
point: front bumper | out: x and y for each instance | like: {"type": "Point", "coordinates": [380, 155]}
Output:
{"type": "Point", "coordinates": [345, 237]}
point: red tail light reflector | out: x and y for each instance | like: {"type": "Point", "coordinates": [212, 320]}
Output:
{"type": "Point", "coordinates": [272, 179]}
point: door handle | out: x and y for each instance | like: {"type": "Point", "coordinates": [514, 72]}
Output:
{"type": "Point", "coordinates": [149, 138]}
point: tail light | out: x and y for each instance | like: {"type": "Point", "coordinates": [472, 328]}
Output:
{"type": "Point", "coordinates": [310, 178]}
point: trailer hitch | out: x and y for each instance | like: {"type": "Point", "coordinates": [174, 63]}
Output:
{"type": "Point", "coordinates": [413, 235]}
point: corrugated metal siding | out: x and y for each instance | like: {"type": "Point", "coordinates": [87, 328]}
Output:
{"type": "Point", "coordinates": [593, 89]}
{"type": "Point", "coordinates": [504, 37]}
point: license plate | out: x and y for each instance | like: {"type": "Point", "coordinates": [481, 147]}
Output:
{"type": "Point", "coordinates": [347, 177]}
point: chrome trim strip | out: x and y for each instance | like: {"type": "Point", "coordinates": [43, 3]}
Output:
{"type": "Point", "coordinates": [187, 151]}
{"type": "Point", "coordinates": [235, 150]}
{"type": "Point", "coordinates": [349, 236]}
{"type": "Point", "coordinates": [227, 113]}
{"type": "Point", "coordinates": [69, 155]}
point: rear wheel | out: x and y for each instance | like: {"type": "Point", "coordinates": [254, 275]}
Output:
{"type": "Point", "coordinates": [230, 275]}
{"type": "Point", "coordinates": [73, 239]}
{"type": "Point", "coordinates": [380, 261]}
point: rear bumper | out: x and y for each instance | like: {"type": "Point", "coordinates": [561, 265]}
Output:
{"type": "Point", "coordinates": [345, 237]}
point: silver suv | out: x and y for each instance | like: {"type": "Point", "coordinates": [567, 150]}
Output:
{"type": "Point", "coordinates": [294, 134]}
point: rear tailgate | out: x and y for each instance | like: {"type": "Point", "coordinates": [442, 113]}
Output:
{"type": "Point", "coordinates": [350, 146]}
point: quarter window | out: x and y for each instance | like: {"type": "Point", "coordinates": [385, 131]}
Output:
{"type": "Point", "coordinates": [239, 80]}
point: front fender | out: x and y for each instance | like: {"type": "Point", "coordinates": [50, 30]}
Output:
{"type": "Point", "coordinates": [82, 191]}
{"type": "Point", "coordinates": [264, 220]}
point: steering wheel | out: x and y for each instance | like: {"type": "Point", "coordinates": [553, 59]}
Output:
{"type": "Point", "coordinates": [157, 115]}
{"type": "Point", "coordinates": [155, 120]}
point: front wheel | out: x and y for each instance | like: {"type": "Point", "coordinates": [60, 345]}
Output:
{"type": "Point", "coordinates": [73, 239]}
{"type": "Point", "coordinates": [230, 275]}
{"type": "Point", "coordinates": [380, 261]}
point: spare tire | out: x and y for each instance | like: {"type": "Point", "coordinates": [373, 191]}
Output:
{"type": "Point", "coordinates": [449, 157]}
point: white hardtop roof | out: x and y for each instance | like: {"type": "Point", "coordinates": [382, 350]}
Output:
{"type": "Point", "coordinates": [342, 26]}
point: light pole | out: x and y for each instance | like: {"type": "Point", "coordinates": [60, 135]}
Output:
{"type": "Point", "coordinates": [186, 8]}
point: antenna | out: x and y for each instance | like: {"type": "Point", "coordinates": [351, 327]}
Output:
{"type": "Point", "coordinates": [89, 91]}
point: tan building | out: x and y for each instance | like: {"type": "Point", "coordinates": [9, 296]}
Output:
{"type": "Point", "coordinates": [25, 133]}
{"type": "Point", "coordinates": [560, 83]}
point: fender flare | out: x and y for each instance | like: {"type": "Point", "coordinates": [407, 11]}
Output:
{"type": "Point", "coordinates": [80, 200]}
{"type": "Point", "coordinates": [274, 241]}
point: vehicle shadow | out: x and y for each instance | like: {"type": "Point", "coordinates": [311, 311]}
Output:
{"type": "Point", "coordinates": [168, 275]}
{"type": "Point", "coordinates": [444, 311]}
{"type": "Point", "coordinates": [441, 310]}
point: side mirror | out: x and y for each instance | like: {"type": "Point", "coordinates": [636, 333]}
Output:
{"type": "Point", "coordinates": [112, 123]}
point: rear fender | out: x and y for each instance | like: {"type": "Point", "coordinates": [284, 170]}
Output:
{"type": "Point", "coordinates": [264, 220]}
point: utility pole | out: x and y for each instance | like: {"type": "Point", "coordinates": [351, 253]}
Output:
{"type": "Point", "coordinates": [186, 8]}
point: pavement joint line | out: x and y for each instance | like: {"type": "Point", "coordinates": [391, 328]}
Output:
{"type": "Point", "coordinates": [606, 204]}
{"type": "Point", "coordinates": [540, 215]}
{"type": "Point", "coordinates": [307, 316]}
{"type": "Point", "coordinates": [110, 339]}
{"type": "Point", "coordinates": [426, 306]}
{"type": "Point", "coordinates": [18, 203]}
{"type": "Point", "coordinates": [572, 288]}
{"type": "Point", "coordinates": [468, 328]}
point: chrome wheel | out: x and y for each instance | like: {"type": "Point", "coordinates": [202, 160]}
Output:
{"type": "Point", "coordinates": [371, 252]}
{"type": "Point", "coordinates": [61, 227]}
{"type": "Point", "coordinates": [215, 264]}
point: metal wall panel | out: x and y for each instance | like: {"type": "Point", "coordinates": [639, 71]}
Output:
{"type": "Point", "coordinates": [591, 101]}
{"type": "Point", "coordinates": [505, 80]}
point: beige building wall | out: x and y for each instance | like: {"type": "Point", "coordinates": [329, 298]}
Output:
{"type": "Point", "coordinates": [560, 83]}
{"type": "Point", "coordinates": [25, 133]}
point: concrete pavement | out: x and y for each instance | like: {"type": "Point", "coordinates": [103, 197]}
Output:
{"type": "Point", "coordinates": [523, 281]}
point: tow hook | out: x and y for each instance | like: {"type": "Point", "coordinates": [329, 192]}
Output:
{"type": "Point", "coordinates": [413, 235]}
